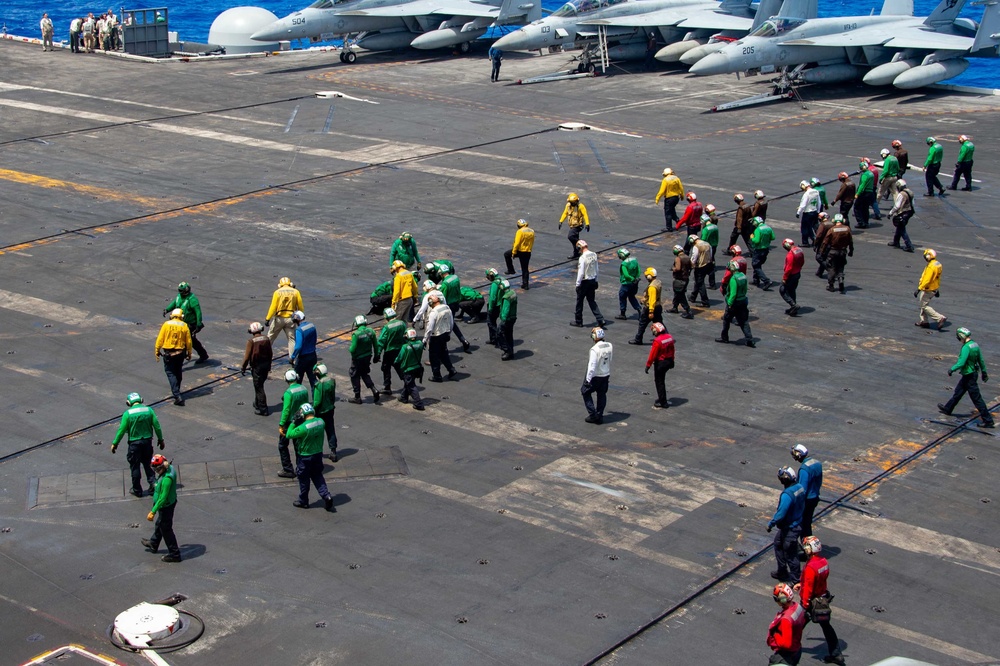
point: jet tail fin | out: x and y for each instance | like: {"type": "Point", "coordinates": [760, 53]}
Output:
{"type": "Point", "coordinates": [945, 13]}
{"type": "Point", "coordinates": [805, 9]}
{"type": "Point", "coordinates": [519, 12]}
{"type": "Point", "coordinates": [765, 10]}
{"type": "Point", "coordinates": [989, 27]}
{"type": "Point", "coordinates": [901, 7]}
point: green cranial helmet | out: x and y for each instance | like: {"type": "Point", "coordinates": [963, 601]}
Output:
{"type": "Point", "coordinates": [491, 274]}
{"type": "Point", "coordinates": [320, 369]}
{"type": "Point", "coordinates": [623, 253]}
{"type": "Point", "coordinates": [133, 399]}
{"type": "Point", "coordinates": [360, 320]}
{"type": "Point", "coordinates": [306, 410]}
{"type": "Point", "coordinates": [184, 288]}
{"type": "Point", "coordinates": [406, 237]}
{"type": "Point", "coordinates": [838, 219]}
{"type": "Point", "coordinates": [757, 221]}
{"type": "Point", "coordinates": [930, 140]}
{"type": "Point", "coordinates": [963, 333]}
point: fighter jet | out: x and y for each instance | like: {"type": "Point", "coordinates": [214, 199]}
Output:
{"type": "Point", "coordinates": [398, 24]}
{"type": "Point", "coordinates": [626, 22]}
{"type": "Point", "coordinates": [906, 51]}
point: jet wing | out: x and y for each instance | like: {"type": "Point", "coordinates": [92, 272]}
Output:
{"type": "Point", "coordinates": [937, 41]}
{"type": "Point", "coordinates": [884, 35]}
{"type": "Point", "coordinates": [861, 37]}
{"type": "Point", "coordinates": [664, 17]}
{"type": "Point", "coordinates": [429, 7]}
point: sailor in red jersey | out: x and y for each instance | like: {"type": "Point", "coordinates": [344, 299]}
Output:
{"type": "Point", "coordinates": [784, 636]}
{"type": "Point", "coordinates": [815, 598]}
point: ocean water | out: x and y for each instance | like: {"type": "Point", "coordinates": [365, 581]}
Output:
{"type": "Point", "coordinates": [193, 18]}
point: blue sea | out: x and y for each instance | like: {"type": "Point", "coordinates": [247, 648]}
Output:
{"type": "Point", "coordinates": [193, 18]}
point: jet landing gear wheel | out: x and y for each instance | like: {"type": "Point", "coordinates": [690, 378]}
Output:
{"type": "Point", "coordinates": [464, 47]}
{"type": "Point", "coordinates": [585, 67]}
{"type": "Point", "coordinates": [348, 56]}
{"type": "Point", "coordinates": [342, 56]}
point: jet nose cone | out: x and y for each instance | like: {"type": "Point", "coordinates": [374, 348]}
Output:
{"type": "Point", "coordinates": [271, 33]}
{"type": "Point", "coordinates": [713, 63]}
{"type": "Point", "coordinates": [514, 41]}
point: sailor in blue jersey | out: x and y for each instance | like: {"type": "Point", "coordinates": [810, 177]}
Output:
{"type": "Point", "coordinates": [304, 353]}
{"type": "Point", "coordinates": [788, 520]}
{"type": "Point", "coordinates": [811, 479]}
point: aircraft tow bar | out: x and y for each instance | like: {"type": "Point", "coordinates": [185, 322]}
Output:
{"type": "Point", "coordinates": [556, 76]}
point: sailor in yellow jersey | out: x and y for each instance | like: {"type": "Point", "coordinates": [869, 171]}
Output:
{"type": "Point", "coordinates": [671, 191]}
{"type": "Point", "coordinates": [575, 214]}
{"type": "Point", "coordinates": [524, 241]}
{"type": "Point", "coordinates": [174, 345]}
{"type": "Point", "coordinates": [285, 301]}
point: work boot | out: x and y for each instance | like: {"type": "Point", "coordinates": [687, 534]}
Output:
{"type": "Point", "coordinates": [134, 492]}
{"type": "Point", "coordinates": [506, 357]}
{"type": "Point", "coordinates": [179, 402]}
{"type": "Point", "coordinates": [594, 418]}
{"type": "Point", "coordinates": [922, 324]}
{"type": "Point", "coordinates": [944, 410]}
{"type": "Point", "coordinates": [298, 504]}
{"type": "Point", "coordinates": [202, 359]}
{"type": "Point", "coordinates": [829, 287]}
{"type": "Point", "coordinates": [687, 315]}
{"type": "Point", "coordinates": [751, 344]}
{"type": "Point", "coordinates": [724, 341]}
{"type": "Point", "coordinates": [419, 408]}
{"type": "Point", "coordinates": [356, 400]}
{"type": "Point", "coordinates": [842, 290]}
{"type": "Point", "coordinates": [333, 457]}
{"type": "Point", "coordinates": [908, 249]}
{"type": "Point", "coordinates": [661, 405]}
{"type": "Point", "coordinates": [403, 399]}
{"type": "Point", "coordinates": [171, 558]}
{"type": "Point", "coordinates": [375, 396]}
{"type": "Point", "coordinates": [835, 658]}
{"type": "Point", "coordinates": [633, 341]}
{"type": "Point", "coordinates": [286, 475]}
{"type": "Point", "coordinates": [437, 380]}
{"type": "Point", "coordinates": [387, 391]}
{"type": "Point", "coordinates": [673, 310]}
{"type": "Point", "coordinates": [577, 324]}
{"type": "Point", "coordinates": [452, 374]}
{"type": "Point", "coordinates": [328, 503]}
{"type": "Point", "coordinates": [941, 323]}
{"type": "Point", "coordinates": [621, 316]}
{"type": "Point", "coordinates": [778, 574]}
{"type": "Point", "coordinates": [466, 347]}
{"type": "Point", "coordinates": [149, 546]}
{"type": "Point", "coordinates": [891, 244]}
{"type": "Point", "coordinates": [986, 424]}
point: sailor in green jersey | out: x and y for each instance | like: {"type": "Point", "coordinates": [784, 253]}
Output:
{"type": "Point", "coordinates": [364, 348]}
{"type": "Point", "coordinates": [508, 315]}
{"type": "Point", "coordinates": [969, 364]}
{"type": "Point", "coordinates": [295, 396]}
{"type": "Point", "coordinates": [737, 306]}
{"type": "Point", "coordinates": [307, 432]}
{"type": "Point", "coordinates": [493, 304]}
{"type": "Point", "coordinates": [191, 307]}
{"type": "Point", "coordinates": [890, 174]}
{"type": "Point", "coordinates": [864, 196]}
{"type": "Point", "coordinates": [451, 289]}
{"type": "Point", "coordinates": [963, 167]}
{"type": "Point", "coordinates": [932, 167]}
{"type": "Point", "coordinates": [390, 339]}
{"type": "Point", "coordinates": [472, 304]}
{"type": "Point", "coordinates": [139, 421]}
{"type": "Point", "coordinates": [381, 298]}
{"type": "Point", "coordinates": [710, 234]}
{"type": "Point", "coordinates": [437, 270]}
{"type": "Point", "coordinates": [324, 402]}
{"type": "Point", "coordinates": [628, 278]}
{"type": "Point", "coordinates": [408, 363]}
{"type": "Point", "coordinates": [164, 503]}
{"type": "Point", "coordinates": [405, 249]}
{"type": "Point", "coordinates": [821, 191]}
{"type": "Point", "coordinates": [760, 246]}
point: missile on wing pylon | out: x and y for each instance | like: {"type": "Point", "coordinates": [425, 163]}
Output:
{"type": "Point", "coordinates": [696, 54]}
{"type": "Point", "coordinates": [386, 41]}
{"type": "Point", "coordinates": [830, 74]}
{"type": "Point", "coordinates": [925, 75]}
{"type": "Point", "coordinates": [884, 75]}
{"type": "Point", "coordinates": [673, 52]}
{"type": "Point", "coordinates": [443, 38]}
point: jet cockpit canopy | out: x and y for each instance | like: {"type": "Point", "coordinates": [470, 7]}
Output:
{"type": "Point", "coordinates": [776, 25]}
{"type": "Point", "coordinates": [578, 7]}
